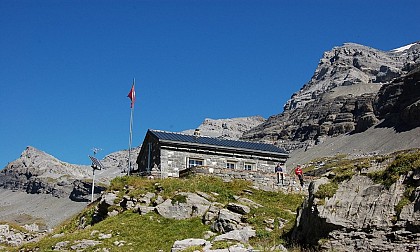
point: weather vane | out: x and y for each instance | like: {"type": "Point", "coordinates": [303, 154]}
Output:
{"type": "Point", "coordinates": [96, 150]}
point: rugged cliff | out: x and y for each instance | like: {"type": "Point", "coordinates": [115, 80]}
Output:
{"type": "Point", "coordinates": [349, 92]}
{"type": "Point", "coordinates": [370, 204]}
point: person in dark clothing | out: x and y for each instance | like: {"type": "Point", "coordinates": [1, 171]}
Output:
{"type": "Point", "coordinates": [280, 174]}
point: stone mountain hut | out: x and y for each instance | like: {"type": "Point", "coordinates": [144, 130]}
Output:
{"type": "Point", "coordinates": [168, 154]}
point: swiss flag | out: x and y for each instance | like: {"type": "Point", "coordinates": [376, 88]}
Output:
{"type": "Point", "coordinates": [132, 96]}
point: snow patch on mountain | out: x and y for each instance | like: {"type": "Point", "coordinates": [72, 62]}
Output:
{"type": "Point", "coordinates": [403, 48]}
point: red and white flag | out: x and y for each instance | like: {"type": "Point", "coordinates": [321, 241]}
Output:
{"type": "Point", "coordinates": [132, 96]}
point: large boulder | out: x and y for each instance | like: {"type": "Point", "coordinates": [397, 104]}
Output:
{"type": "Point", "coordinates": [82, 191]}
{"type": "Point", "coordinates": [238, 208]}
{"type": "Point", "coordinates": [239, 235]}
{"type": "Point", "coordinates": [191, 242]}
{"type": "Point", "coordinates": [183, 206]}
{"type": "Point", "coordinates": [227, 221]}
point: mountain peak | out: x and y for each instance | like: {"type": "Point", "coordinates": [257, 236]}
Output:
{"type": "Point", "coordinates": [354, 64]}
{"type": "Point", "coordinates": [39, 163]}
{"type": "Point", "coordinates": [31, 152]}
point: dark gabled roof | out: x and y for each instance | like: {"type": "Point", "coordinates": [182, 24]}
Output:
{"type": "Point", "coordinates": [211, 141]}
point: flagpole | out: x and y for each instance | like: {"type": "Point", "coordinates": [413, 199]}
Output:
{"type": "Point", "coordinates": [130, 140]}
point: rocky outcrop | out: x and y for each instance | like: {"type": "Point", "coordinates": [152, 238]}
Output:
{"type": "Point", "coordinates": [82, 191]}
{"type": "Point", "coordinates": [232, 128]}
{"type": "Point", "coordinates": [399, 102]}
{"type": "Point", "coordinates": [37, 172]}
{"type": "Point", "coordinates": [15, 236]}
{"type": "Point", "coordinates": [206, 246]}
{"type": "Point", "coordinates": [353, 89]}
{"type": "Point", "coordinates": [353, 64]}
{"type": "Point", "coordinates": [361, 215]}
{"type": "Point", "coordinates": [183, 206]}
{"type": "Point", "coordinates": [227, 221]}
{"type": "Point", "coordinates": [119, 159]}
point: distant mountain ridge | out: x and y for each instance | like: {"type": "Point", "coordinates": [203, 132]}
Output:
{"type": "Point", "coordinates": [38, 172]}
{"type": "Point", "coordinates": [231, 128]}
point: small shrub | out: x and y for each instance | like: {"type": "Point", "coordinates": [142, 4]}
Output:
{"type": "Point", "coordinates": [401, 204]}
{"type": "Point", "coordinates": [402, 164]}
{"type": "Point", "coordinates": [193, 249]}
{"type": "Point", "coordinates": [406, 199]}
{"type": "Point", "coordinates": [262, 234]}
{"type": "Point", "coordinates": [326, 190]}
{"type": "Point", "coordinates": [179, 199]}
{"type": "Point", "coordinates": [343, 173]}
{"type": "Point", "coordinates": [363, 164]}
{"type": "Point", "coordinates": [221, 245]}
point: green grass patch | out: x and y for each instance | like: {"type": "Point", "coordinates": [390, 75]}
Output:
{"type": "Point", "coordinates": [149, 232]}
{"type": "Point", "coordinates": [275, 205]}
{"type": "Point", "coordinates": [402, 164]}
{"type": "Point", "coordinates": [179, 199]}
{"type": "Point", "coordinates": [343, 167]}
{"type": "Point", "coordinates": [326, 190]}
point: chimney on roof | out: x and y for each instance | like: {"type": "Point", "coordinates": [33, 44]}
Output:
{"type": "Point", "coordinates": [197, 132]}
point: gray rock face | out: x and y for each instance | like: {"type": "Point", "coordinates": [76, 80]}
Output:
{"type": "Point", "coordinates": [238, 208]}
{"type": "Point", "coordinates": [119, 159]}
{"type": "Point", "coordinates": [352, 64]}
{"type": "Point", "coordinates": [360, 216]}
{"type": "Point", "coordinates": [411, 214]}
{"type": "Point", "coordinates": [37, 172]}
{"type": "Point", "coordinates": [186, 243]}
{"type": "Point", "coordinates": [227, 221]}
{"type": "Point", "coordinates": [232, 128]}
{"type": "Point", "coordinates": [353, 89]}
{"type": "Point", "coordinates": [194, 206]}
{"type": "Point", "coordinates": [399, 102]}
{"type": "Point", "coordinates": [82, 191]}
{"type": "Point", "coordinates": [240, 235]}
{"type": "Point", "coordinates": [15, 238]}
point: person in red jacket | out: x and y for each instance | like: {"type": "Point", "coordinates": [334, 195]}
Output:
{"type": "Point", "coordinates": [299, 174]}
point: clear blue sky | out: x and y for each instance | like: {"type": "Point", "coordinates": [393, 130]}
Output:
{"type": "Point", "coordinates": [66, 67]}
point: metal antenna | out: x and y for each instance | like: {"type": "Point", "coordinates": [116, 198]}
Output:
{"type": "Point", "coordinates": [96, 165]}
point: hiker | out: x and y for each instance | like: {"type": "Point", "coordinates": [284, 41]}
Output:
{"type": "Point", "coordinates": [280, 174]}
{"type": "Point", "coordinates": [299, 173]}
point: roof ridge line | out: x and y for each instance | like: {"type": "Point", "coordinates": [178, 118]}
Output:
{"type": "Point", "coordinates": [184, 134]}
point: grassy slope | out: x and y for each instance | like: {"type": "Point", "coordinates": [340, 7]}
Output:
{"type": "Point", "coordinates": [152, 232]}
